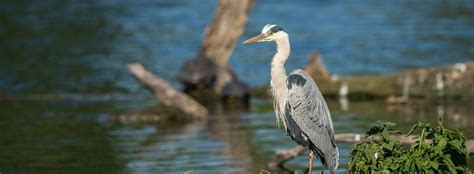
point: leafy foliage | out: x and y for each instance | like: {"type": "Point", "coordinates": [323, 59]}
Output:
{"type": "Point", "coordinates": [438, 149]}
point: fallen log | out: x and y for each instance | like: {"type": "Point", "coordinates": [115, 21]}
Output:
{"type": "Point", "coordinates": [285, 155]}
{"type": "Point", "coordinates": [165, 94]}
{"type": "Point", "coordinates": [451, 81]}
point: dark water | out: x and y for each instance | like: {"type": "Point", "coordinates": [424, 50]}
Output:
{"type": "Point", "coordinates": [79, 48]}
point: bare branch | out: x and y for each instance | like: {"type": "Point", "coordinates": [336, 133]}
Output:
{"type": "Point", "coordinates": [166, 94]}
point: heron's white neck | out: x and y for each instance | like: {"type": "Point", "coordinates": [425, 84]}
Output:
{"type": "Point", "coordinates": [278, 76]}
{"type": "Point", "coordinates": [278, 73]}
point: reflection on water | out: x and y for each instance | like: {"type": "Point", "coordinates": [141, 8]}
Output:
{"type": "Point", "coordinates": [72, 138]}
{"type": "Point", "coordinates": [79, 48]}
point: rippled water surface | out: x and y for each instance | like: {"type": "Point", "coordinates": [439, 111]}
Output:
{"type": "Point", "coordinates": [79, 48]}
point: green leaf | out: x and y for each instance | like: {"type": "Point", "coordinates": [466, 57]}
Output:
{"type": "Point", "coordinates": [388, 146]}
{"type": "Point", "coordinates": [380, 127]}
{"type": "Point", "coordinates": [435, 165]}
{"type": "Point", "coordinates": [456, 144]}
{"type": "Point", "coordinates": [441, 144]}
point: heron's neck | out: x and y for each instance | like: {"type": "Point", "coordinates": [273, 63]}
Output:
{"type": "Point", "coordinates": [278, 73]}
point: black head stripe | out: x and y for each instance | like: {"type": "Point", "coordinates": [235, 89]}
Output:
{"type": "Point", "coordinates": [275, 29]}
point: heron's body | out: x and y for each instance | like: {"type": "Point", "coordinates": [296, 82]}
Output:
{"type": "Point", "coordinates": [299, 104]}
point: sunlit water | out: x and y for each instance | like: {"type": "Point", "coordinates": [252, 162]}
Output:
{"type": "Point", "coordinates": [79, 48]}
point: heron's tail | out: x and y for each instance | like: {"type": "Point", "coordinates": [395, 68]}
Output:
{"type": "Point", "coordinates": [333, 161]}
{"type": "Point", "coordinates": [330, 160]}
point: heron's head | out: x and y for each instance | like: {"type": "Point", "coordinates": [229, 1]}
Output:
{"type": "Point", "coordinates": [270, 32]}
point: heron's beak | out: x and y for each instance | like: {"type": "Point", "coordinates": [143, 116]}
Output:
{"type": "Point", "coordinates": [255, 39]}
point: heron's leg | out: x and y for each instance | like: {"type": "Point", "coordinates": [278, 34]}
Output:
{"type": "Point", "coordinates": [311, 158]}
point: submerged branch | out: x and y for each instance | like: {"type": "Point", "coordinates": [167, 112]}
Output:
{"type": "Point", "coordinates": [166, 94]}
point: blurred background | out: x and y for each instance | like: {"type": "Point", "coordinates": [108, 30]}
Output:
{"type": "Point", "coordinates": [66, 60]}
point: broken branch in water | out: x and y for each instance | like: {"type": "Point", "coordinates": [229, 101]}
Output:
{"type": "Point", "coordinates": [284, 155]}
{"type": "Point", "coordinates": [166, 94]}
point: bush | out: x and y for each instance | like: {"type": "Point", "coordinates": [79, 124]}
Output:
{"type": "Point", "coordinates": [444, 152]}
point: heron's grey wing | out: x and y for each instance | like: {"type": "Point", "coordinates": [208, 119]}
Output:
{"type": "Point", "coordinates": [308, 115]}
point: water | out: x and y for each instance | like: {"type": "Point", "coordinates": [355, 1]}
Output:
{"type": "Point", "coordinates": [79, 49]}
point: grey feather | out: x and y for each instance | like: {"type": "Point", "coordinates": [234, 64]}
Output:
{"type": "Point", "coordinates": [307, 114]}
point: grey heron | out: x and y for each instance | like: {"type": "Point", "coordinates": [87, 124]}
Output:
{"type": "Point", "coordinates": [298, 103]}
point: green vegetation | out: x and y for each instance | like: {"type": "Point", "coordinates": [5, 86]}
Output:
{"type": "Point", "coordinates": [438, 150]}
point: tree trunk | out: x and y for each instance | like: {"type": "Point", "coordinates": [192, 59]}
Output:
{"type": "Point", "coordinates": [220, 38]}
{"type": "Point", "coordinates": [225, 29]}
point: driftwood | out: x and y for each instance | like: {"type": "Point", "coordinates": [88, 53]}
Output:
{"type": "Point", "coordinates": [285, 155]}
{"type": "Point", "coordinates": [221, 37]}
{"type": "Point", "coordinates": [225, 29]}
{"type": "Point", "coordinates": [316, 68]}
{"type": "Point", "coordinates": [166, 94]}
{"type": "Point", "coordinates": [210, 67]}
{"type": "Point", "coordinates": [452, 81]}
